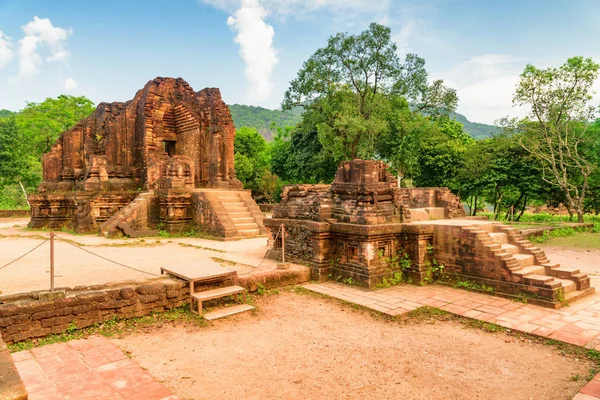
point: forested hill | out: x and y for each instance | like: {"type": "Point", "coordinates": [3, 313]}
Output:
{"type": "Point", "coordinates": [475, 129]}
{"type": "Point", "coordinates": [5, 113]}
{"type": "Point", "coordinates": [261, 118]}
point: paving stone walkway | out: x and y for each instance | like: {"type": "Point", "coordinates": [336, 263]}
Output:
{"type": "Point", "coordinates": [578, 324]}
{"type": "Point", "coordinates": [92, 368]}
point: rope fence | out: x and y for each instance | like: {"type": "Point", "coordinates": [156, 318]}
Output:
{"type": "Point", "coordinates": [52, 237]}
{"type": "Point", "coordinates": [282, 231]}
{"type": "Point", "coordinates": [18, 258]}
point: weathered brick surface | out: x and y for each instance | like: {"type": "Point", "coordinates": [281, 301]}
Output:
{"type": "Point", "coordinates": [30, 318]}
{"type": "Point", "coordinates": [11, 386]}
{"type": "Point", "coordinates": [14, 213]}
{"type": "Point", "coordinates": [167, 138]}
{"type": "Point", "coordinates": [351, 229]}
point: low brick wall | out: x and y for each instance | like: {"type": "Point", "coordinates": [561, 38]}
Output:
{"type": "Point", "coordinates": [11, 385]}
{"type": "Point", "coordinates": [25, 317]}
{"type": "Point", "coordinates": [14, 213]}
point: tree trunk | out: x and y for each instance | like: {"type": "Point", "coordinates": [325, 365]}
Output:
{"type": "Point", "coordinates": [475, 207]}
{"type": "Point", "coordinates": [522, 208]}
{"type": "Point", "coordinates": [580, 214]}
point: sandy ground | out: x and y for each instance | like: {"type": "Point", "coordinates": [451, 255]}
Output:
{"type": "Point", "coordinates": [75, 267]}
{"type": "Point", "coordinates": [302, 347]}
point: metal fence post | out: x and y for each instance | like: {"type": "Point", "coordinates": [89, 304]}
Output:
{"type": "Point", "coordinates": [282, 243]}
{"type": "Point", "coordinates": [52, 234]}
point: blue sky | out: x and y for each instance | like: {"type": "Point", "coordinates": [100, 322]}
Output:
{"type": "Point", "coordinates": [251, 49]}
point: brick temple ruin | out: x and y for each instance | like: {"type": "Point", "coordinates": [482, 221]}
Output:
{"type": "Point", "coordinates": [163, 160]}
{"type": "Point", "coordinates": [352, 229]}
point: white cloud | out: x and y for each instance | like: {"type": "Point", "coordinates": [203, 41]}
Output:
{"type": "Point", "coordinates": [70, 84]}
{"type": "Point", "coordinates": [6, 50]}
{"type": "Point", "coordinates": [40, 32]}
{"type": "Point", "coordinates": [255, 38]}
{"type": "Point", "coordinates": [485, 86]}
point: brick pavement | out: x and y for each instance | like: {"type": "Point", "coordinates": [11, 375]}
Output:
{"type": "Point", "coordinates": [578, 324]}
{"type": "Point", "coordinates": [92, 368]}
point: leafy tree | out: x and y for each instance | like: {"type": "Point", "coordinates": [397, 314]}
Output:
{"type": "Point", "coordinates": [26, 135]}
{"type": "Point", "coordinates": [442, 154]}
{"type": "Point", "coordinates": [401, 144]}
{"type": "Point", "coordinates": [434, 99]}
{"type": "Point", "coordinates": [556, 131]}
{"type": "Point", "coordinates": [252, 162]}
{"type": "Point", "coordinates": [349, 83]}
{"type": "Point", "coordinates": [13, 160]}
{"type": "Point", "coordinates": [42, 123]}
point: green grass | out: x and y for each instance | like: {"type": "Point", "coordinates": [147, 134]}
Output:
{"type": "Point", "coordinates": [579, 240]}
{"type": "Point", "coordinates": [543, 218]}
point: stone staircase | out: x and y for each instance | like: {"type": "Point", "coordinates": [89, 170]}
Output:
{"type": "Point", "coordinates": [130, 219]}
{"type": "Point", "coordinates": [199, 297]}
{"type": "Point", "coordinates": [241, 216]}
{"type": "Point", "coordinates": [527, 265]}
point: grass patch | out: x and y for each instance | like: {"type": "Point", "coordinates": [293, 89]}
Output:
{"type": "Point", "coordinates": [579, 240]}
{"type": "Point", "coordinates": [224, 262]}
{"type": "Point", "coordinates": [200, 247]}
{"type": "Point", "coordinates": [191, 233]}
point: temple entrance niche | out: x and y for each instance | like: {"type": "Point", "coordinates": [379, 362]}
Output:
{"type": "Point", "coordinates": [169, 146]}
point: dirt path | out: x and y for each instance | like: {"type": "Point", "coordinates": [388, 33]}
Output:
{"type": "Point", "coordinates": [302, 347]}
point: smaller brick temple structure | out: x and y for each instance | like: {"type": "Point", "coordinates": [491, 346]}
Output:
{"type": "Point", "coordinates": [351, 228]}
{"type": "Point", "coordinates": [363, 229]}
{"type": "Point", "coordinates": [163, 160]}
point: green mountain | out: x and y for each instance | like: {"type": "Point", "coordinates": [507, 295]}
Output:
{"type": "Point", "coordinates": [475, 129]}
{"type": "Point", "coordinates": [261, 119]}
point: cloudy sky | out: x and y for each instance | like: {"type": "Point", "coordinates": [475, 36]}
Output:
{"type": "Point", "coordinates": [251, 49]}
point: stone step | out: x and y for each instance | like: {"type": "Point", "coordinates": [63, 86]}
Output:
{"type": "Point", "coordinates": [531, 270]}
{"type": "Point", "coordinates": [499, 237]}
{"type": "Point", "coordinates": [242, 220]}
{"type": "Point", "coordinates": [564, 272]}
{"type": "Point", "coordinates": [524, 259]}
{"type": "Point", "coordinates": [233, 203]}
{"type": "Point", "coordinates": [217, 293]}
{"type": "Point", "coordinates": [246, 226]}
{"type": "Point", "coordinates": [229, 197]}
{"type": "Point", "coordinates": [248, 232]}
{"type": "Point", "coordinates": [227, 311]}
{"type": "Point", "coordinates": [537, 280]}
{"type": "Point", "coordinates": [577, 294]}
{"type": "Point", "coordinates": [509, 248]}
{"type": "Point", "coordinates": [238, 214]}
{"type": "Point", "coordinates": [235, 208]}
{"type": "Point", "coordinates": [569, 286]}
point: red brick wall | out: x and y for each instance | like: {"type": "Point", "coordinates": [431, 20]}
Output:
{"type": "Point", "coordinates": [22, 319]}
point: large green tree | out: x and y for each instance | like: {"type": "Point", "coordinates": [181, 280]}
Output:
{"type": "Point", "coordinates": [556, 130]}
{"type": "Point", "coordinates": [351, 83]}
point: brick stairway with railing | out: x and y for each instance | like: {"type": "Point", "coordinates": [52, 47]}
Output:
{"type": "Point", "coordinates": [129, 218]}
{"type": "Point", "coordinates": [526, 266]}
